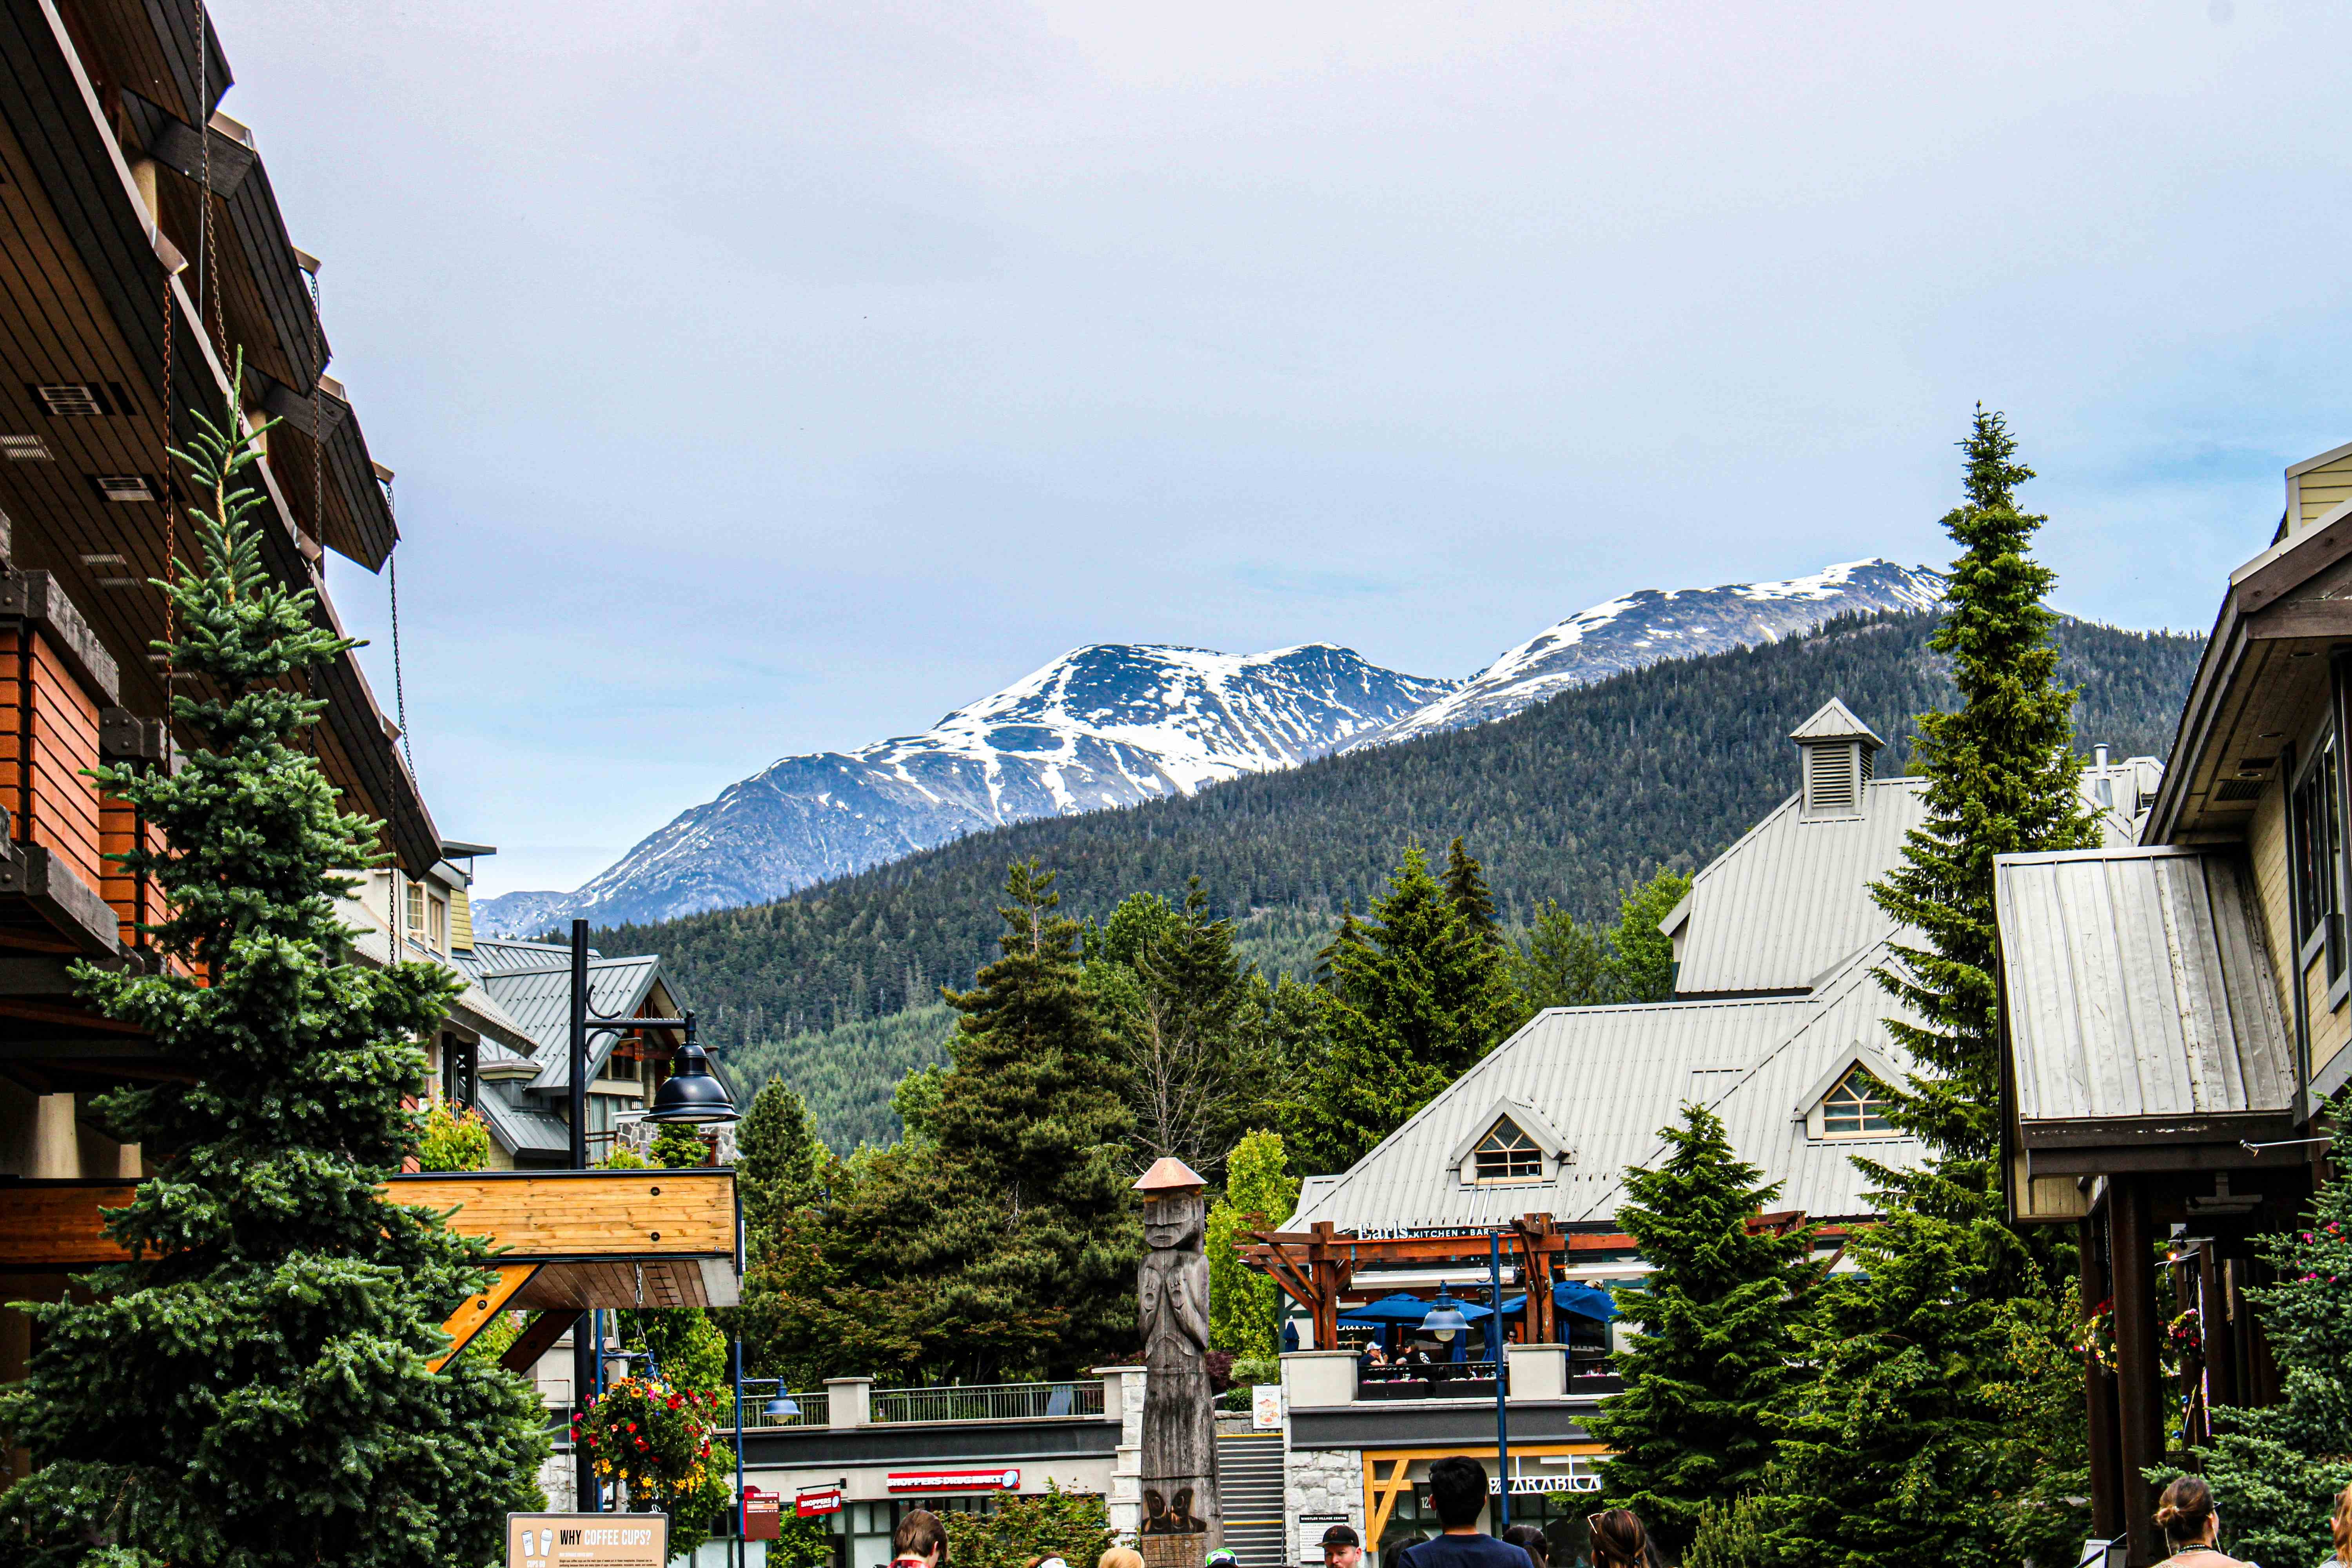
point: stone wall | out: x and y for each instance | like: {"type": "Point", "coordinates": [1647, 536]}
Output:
{"type": "Point", "coordinates": [1321, 1481]}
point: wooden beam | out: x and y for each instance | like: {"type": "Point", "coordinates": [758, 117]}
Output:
{"type": "Point", "coordinates": [538, 1338]}
{"type": "Point", "coordinates": [478, 1311]}
{"type": "Point", "coordinates": [2099, 1398]}
{"type": "Point", "coordinates": [2139, 1392]}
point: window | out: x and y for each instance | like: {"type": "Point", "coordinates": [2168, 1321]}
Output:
{"type": "Point", "coordinates": [1857, 1105]}
{"type": "Point", "coordinates": [440, 912]}
{"type": "Point", "coordinates": [458, 1070]}
{"type": "Point", "coordinates": [416, 909]}
{"type": "Point", "coordinates": [624, 1068]}
{"type": "Point", "coordinates": [2318, 849]}
{"type": "Point", "coordinates": [1508, 1155]}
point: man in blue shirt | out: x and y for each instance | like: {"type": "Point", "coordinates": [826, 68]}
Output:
{"type": "Point", "coordinates": [1458, 1486]}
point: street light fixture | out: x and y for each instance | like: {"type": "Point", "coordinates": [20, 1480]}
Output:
{"type": "Point", "coordinates": [1445, 1318]}
{"type": "Point", "coordinates": [782, 1405]}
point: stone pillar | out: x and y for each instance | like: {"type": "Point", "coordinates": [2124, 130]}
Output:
{"type": "Point", "coordinates": [1538, 1372]}
{"type": "Point", "coordinates": [1318, 1379]}
{"type": "Point", "coordinates": [1123, 1403]}
{"type": "Point", "coordinates": [1181, 1520]}
{"type": "Point", "coordinates": [848, 1401]}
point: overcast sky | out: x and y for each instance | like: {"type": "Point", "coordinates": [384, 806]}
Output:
{"type": "Point", "coordinates": [774, 377]}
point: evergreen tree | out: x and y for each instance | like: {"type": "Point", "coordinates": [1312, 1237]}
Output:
{"type": "Point", "coordinates": [1417, 997]}
{"type": "Point", "coordinates": [779, 1158]}
{"type": "Point", "coordinates": [1560, 963]}
{"type": "Point", "coordinates": [1244, 1306]}
{"type": "Point", "coordinates": [1710, 1361]}
{"type": "Point", "coordinates": [251, 1388]}
{"type": "Point", "coordinates": [2278, 1468]}
{"type": "Point", "coordinates": [1641, 963]}
{"type": "Point", "coordinates": [1466, 884]}
{"type": "Point", "coordinates": [2002, 778]}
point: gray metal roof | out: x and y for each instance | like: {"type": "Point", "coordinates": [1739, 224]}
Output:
{"type": "Point", "coordinates": [1834, 721]}
{"type": "Point", "coordinates": [2136, 983]}
{"type": "Point", "coordinates": [489, 956]}
{"type": "Point", "coordinates": [518, 1129]}
{"type": "Point", "coordinates": [1607, 1078]}
{"type": "Point", "coordinates": [1813, 874]}
{"type": "Point", "coordinates": [539, 1001]}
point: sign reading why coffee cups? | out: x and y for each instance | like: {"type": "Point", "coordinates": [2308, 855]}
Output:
{"type": "Point", "coordinates": [587, 1540]}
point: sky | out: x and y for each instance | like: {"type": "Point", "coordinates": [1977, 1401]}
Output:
{"type": "Point", "coordinates": [765, 378]}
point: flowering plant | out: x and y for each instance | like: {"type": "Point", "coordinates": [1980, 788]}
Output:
{"type": "Point", "coordinates": [652, 1438]}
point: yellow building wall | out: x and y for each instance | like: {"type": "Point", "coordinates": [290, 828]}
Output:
{"type": "Point", "coordinates": [2266, 844]}
{"type": "Point", "coordinates": [2322, 489]}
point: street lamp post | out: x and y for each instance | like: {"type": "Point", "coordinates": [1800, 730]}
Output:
{"type": "Point", "coordinates": [1445, 1321]}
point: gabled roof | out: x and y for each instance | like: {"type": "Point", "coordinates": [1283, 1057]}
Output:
{"type": "Point", "coordinates": [1834, 721]}
{"type": "Point", "coordinates": [1521, 1115]}
{"type": "Point", "coordinates": [2137, 986]}
{"type": "Point", "coordinates": [1607, 1078]}
{"type": "Point", "coordinates": [540, 1000]}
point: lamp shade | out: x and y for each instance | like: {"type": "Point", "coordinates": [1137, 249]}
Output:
{"type": "Point", "coordinates": [690, 1094]}
{"type": "Point", "coordinates": [1445, 1318]}
{"type": "Point", "coordinates": [782, 1405]}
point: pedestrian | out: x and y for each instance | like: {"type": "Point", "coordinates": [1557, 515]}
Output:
{"type": "Point", "coordinates": [1620, 1539]}
{"type": "Point", "coordinates": [1531, 1540]}
{"type": "Point", "coordinates": [1457, 1484]}
{"type": "Point", "coordinates": [2192, 1525]}
{"type": "Point", "coordinates": [2339, 1525]}
{"type": "Point", "coordinates": [1342, 1548]}
{"type": "Point", "coordinates": [920, 1541]}
{"type": "Point", "coordinates": [1121, 1557]}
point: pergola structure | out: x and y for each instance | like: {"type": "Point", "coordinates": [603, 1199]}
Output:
{"type": "Point", "coordinates": [1316, 1267]}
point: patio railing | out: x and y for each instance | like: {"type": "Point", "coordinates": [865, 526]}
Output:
{"type": "Point", "coordinates": [988, 1401]}
{"type": "Point", "coordinates": [815, 1410]}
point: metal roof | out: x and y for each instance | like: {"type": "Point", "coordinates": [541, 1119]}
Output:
{"type": "Point", "coordinates": [490, 954]}
{"type": "Point", "coordinates": [518, 1129]}
{"type": "Point", "coordinates": [1814, 875]}
{"type": "Point", "coordinates": [1834, 721]}
{"type": "Point", "coordinates": [2136, 983]}
{"type": "Point", "coordinates": [539, 1000]}
{"type": "Point", "coordinates": [1607, 1080]}
{"type": "Point", "coordinates": [475, 1008]}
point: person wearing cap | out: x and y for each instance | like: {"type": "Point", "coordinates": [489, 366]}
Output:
{"type": "Point", "coordinates": [1220, 1558]}
{"type": "Point", "coordinates": [1342, 1547]}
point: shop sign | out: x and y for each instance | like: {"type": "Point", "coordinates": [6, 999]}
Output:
{"type": "Point", "coordinates": [954, 1480]}
{"type": "Point", "coordinates": [1266, 1406]}
{"type": "Point", "coordinates": [587, 1540]}
{"type": "Point", "coordinates": [814, 1501]}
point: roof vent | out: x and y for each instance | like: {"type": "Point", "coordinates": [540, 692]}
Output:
{"type": "Point", "coordinates": [1840, 752]}
{"type": "Point", "coordinates": [123, 487]}
{"type": "Point", "coordinates": [83, 399]}
{"type": "Point", "coordinates": [24, 449]}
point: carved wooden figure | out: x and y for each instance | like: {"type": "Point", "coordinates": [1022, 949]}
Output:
{"type": "Point", "coordinates": [1180, 1423]}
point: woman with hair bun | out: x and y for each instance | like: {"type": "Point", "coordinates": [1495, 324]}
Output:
{"type": "Point", "coordinates": [2192, 1525]}
{"type": "Point", "coordinates": [1620, 1539]}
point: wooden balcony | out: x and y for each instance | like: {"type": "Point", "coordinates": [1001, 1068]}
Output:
{"type": "Point", "coordinates": [568, 1240]}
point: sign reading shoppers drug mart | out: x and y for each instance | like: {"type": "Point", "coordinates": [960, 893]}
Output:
{"type": "Point", "coordinates": [954, 1480]}
{"type": "Point", "coordinates": [812, 1502]}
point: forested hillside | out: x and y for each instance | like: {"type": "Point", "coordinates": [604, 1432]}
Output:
{"type": "Point", "coordinates": [1575, 800]}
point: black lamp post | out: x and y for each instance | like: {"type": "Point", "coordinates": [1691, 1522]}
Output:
{"type": "Point", "coordinates": [691, 1094]}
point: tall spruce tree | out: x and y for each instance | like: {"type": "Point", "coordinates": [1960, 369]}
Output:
{"type": "Point", "coordinates": [779, 1158]}
{"type": "Point", "coordinates": [1417, 995]}
{"type": "Point", "coordinates": [1710, 1361]}
{"type": "Point", "coordinates": [2002, 778]}
{"type": "Point", "coordinates": [1466, 884]}
{"type": "Point", "coordinates": [251, 1389]}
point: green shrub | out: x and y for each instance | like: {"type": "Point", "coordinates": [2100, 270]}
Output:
{"type": "Point", "coordinates": [625, 1160]}
{"type": "Point", "coordinates": [1072, 1526]}
{"type": "Point", "coordinates": [1729, 1535]}
{"type": "Point", "coordinates": [453, 1142]}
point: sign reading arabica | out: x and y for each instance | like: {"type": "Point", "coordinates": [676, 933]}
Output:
{"type": "Point", "coordinates": [587, 1540]}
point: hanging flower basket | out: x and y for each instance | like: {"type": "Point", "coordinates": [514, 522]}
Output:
{"type": "Point", "coordinates": [652, 1438]}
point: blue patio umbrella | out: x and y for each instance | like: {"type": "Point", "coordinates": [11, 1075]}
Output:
{"type": "Point", "coordinates": [1584, 1301]}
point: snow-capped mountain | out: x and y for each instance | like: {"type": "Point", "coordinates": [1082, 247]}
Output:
{"type": "Point", "coordinates": [1106, 725]}
{"type": "Point", "coordinates": [1648, 625]}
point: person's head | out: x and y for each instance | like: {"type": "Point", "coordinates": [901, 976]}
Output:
{"type": "Point", "coordinates": [1458, 1486]}
{"type": "Point", "coordinates": [2186, 1512]}
{"type": "Point", "coordinates": [1120, 1557]}
{"type": "Point", "coordinates": [1531, 1540]}
{"type": "Point", "coordinates": [1342, 1547]}
{"type": "Point", "coordinates": [1620, 1539]}
{"type": "Point", "coordinates": [1220, 1558]}
{"type": "Point", "coordinates": [2339, 1525]}
{"type": "Point", "coordinates": [920, 1534]}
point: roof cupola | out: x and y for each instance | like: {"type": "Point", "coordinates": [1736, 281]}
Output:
{"type": "Point", "coordinates": [1838, 750]}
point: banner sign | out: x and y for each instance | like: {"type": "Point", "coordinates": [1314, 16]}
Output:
{"type": "Point", "coordinates": [1266, 1406]}
{"type": "Point", "coordinates": [587, 1540]}
{"type": "Point", "coordinates": [954, 1480]}
{"type": "Point", "coordinates": [814, 1501]}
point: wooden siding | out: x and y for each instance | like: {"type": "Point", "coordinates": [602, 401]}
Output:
{"type": "Point", "coordinates": [134, 898]}
{"type": "Point", "coordinates": [621, 1217]}
{"type": "Point", "coordinates": [48, 734]}
{"type": "Point", "coordinates": [2266, 844]}
{"type": "Point", "coordinates": [2320, 491]}
{"type": "Point", "coordinates": [2331, 1028]}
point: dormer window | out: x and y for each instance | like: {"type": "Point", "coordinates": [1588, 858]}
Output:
{"type": "Point", "coordinates": [1857, 1106]}
{"type": "Point", "coordinates": [1506, 1155]}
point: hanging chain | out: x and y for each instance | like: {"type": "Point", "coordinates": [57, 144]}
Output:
{"type": "Point", "coordinates": [318, 481]}
{"type": "Point", "coordinates": [399, 688]}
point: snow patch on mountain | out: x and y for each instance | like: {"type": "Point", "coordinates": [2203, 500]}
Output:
{"type": "Point", "coordinates": [1106, 725]}
{"type": "Point", "coordinates": [1644, 627]}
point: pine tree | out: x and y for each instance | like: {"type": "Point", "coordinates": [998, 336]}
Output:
{"type": "Point", "coordinates": [2278, 1468]}
{"type": "Point", "coordinates": [1417, 997]}
{"type": "Point", "coordinates": [1244, 1306]}
{"type": "Point", "coordinates": [2002, 778]}
{"type": "Point", "coordinates": [1710, 1361]}
{"type": "Point", "coordinates": [251, 1388]}
{"type": "Point", "coordinates": [1641, 963]}
{"type": "Point", "coordinates": [1466, 884]}
{"type": "Point", "coordinates": [1560, 963]}
{"type": "Point", "coordinates": [778, 1158]}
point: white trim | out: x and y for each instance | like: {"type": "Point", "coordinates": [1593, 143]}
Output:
{"type": "Point", "coordinates": [1856, 1056]}
{"type": "Point", "coordinates": [1525, 1117]}
{"type": "Point", "coordinates": [2296, 470]}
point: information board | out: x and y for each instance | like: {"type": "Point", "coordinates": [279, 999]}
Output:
{"type": "Point", "coordinates": [587, 1540]}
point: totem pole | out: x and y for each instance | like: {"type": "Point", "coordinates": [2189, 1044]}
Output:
{"type": "Point", "coordinates": [1182, 1522]}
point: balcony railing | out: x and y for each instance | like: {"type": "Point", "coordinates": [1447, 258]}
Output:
{"type": "Point", "coordinates": [816, 1410]}
{"type": "Point", "coordinates": [988, 1401]}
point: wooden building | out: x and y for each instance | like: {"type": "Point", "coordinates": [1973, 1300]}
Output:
{"type": "Point", "coordinates": [145, 247]}
{"type": "Point", "coordinates": [2176, 1012]}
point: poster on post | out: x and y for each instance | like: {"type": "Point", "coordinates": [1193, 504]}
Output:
{"type": "Point", "coordinates": [587, 1540]}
